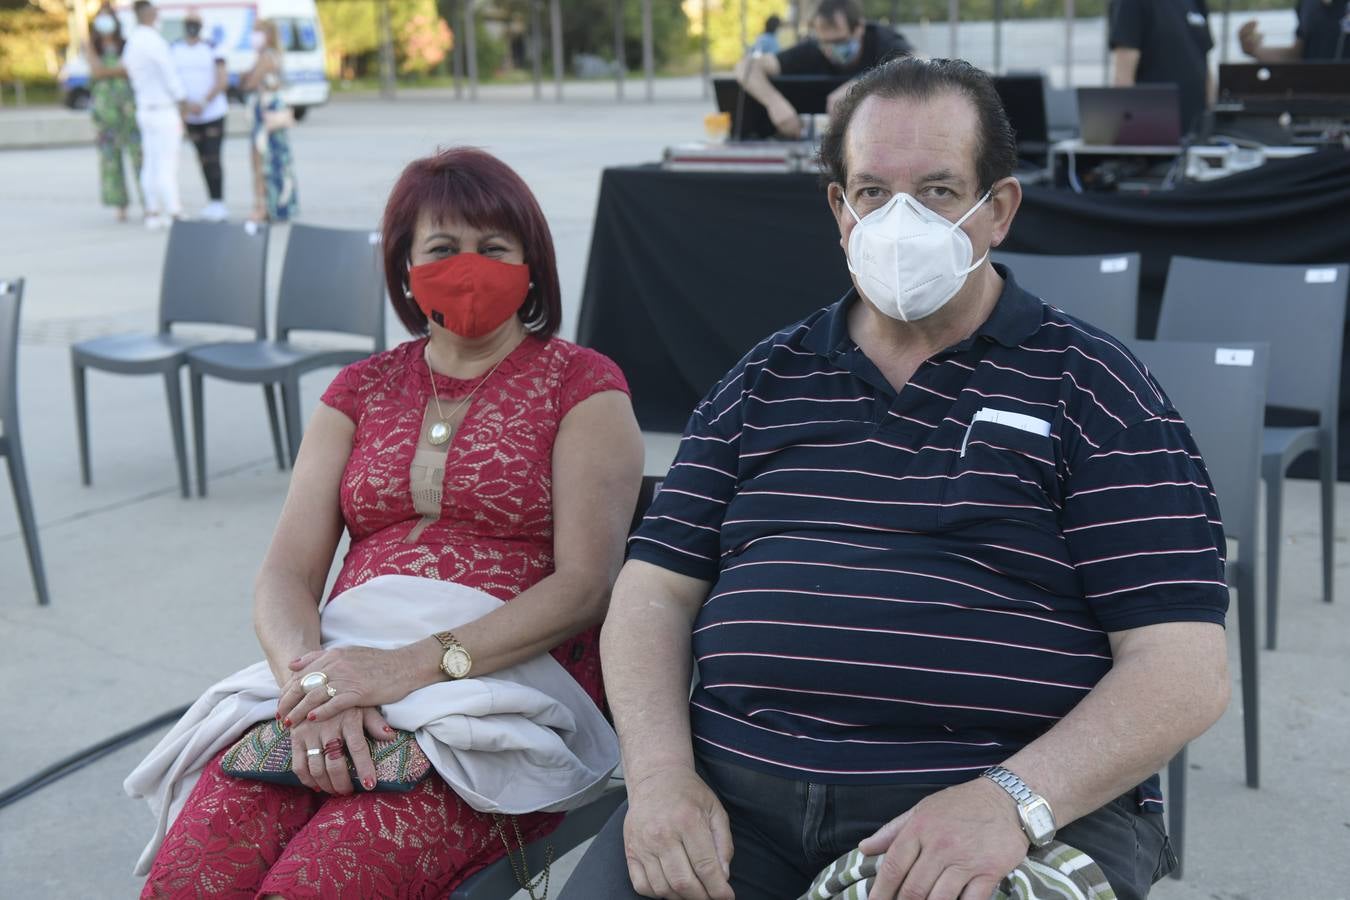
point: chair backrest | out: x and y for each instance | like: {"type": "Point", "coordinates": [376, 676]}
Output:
{"type": "Point", "coordinates": [1101, 290]}
{"type": "Point", "coordinates": [1220, 390]}
{"type": "Point", "coordinates": [215, 272]}
{"type": "Point", "coordinates": [332, 280]}
{"type": "Point", "coordinates": [1298, 310]}
{"type": "Point", "coordinates": [1061, 112]}
{"type": "Point", "coordinates": [11, 295]}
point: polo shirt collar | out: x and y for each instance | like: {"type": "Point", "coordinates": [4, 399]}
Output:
{"type": "Point", "coordinates": [1016, 317]}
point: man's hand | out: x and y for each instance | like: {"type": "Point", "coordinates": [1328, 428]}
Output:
{"type": "Point", "coordinates": [835, 96]}
{"type": "Point", "coordinates": [1249, 36]}
{"type": "Point", "coordinates": [676, 838]}
{"type": "Point", "coordinates": [785, 119]}
{"type": "Point", "coordinates": [956, 844]}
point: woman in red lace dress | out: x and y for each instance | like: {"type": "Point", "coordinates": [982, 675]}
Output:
{"type": "Point", "coordinates": [488, 453]}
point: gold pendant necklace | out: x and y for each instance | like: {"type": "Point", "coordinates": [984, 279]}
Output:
{"type": "Point", "coordinates": [441, 430]}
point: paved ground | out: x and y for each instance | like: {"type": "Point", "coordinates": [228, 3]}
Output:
{"type": "Point", "coordinates": [151, 593]}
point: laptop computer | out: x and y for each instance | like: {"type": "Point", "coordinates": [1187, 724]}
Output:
{"type": "Point", "coordinates": [750, 120]}
{"type": "Point", "coordinates": [1144, 115]}
{"type": "Point", "coordinates": [1023, 99]}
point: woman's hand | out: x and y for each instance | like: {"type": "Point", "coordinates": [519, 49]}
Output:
{"type": "Point", "coordinates": [335, 740]}
{"type": "Point", "coordinates": [361, 676]}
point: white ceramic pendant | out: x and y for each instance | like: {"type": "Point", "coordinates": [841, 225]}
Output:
{"type": "Point", "coordinates": [439, 434]}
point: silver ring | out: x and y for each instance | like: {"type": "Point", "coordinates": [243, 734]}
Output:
{"type": "Point", "coordinates": [313, 680]}
{"type": "Point", "coordinates": [313, 751]}
{"type": "Point", "coordinates": [332, 691]}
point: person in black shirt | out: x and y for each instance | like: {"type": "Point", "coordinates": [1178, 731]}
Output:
{"type": "Point", "coordinates": [1323, 34]}
{"type": "Point", "coordinates": [1164, 41]}
{"type": "Point", "coordinates": [842, 44]}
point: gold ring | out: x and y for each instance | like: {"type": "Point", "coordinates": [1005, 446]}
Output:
{"type": "Point", "coordinates": [313, 680]}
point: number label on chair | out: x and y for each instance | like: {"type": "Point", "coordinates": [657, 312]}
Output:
{"type": "Point", "coordinates": [1115, 264]}
{"type": "Point", "coordinates": [1320, 276]}
{"type": "Point", "coordinates": [1233, 356]}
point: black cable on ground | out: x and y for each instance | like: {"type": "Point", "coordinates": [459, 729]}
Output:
{"type": "Point", "coordinates": [76, 761]}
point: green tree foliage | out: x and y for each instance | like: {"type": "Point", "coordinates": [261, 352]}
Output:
{"type": "Point", "coordinates": [32, 43]}
{"type": "Point", "coordinates": [588, 27]}
{"type": "Point", "coordinates": [724, 26]}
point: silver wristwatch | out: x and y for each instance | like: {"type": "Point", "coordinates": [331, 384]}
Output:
{"type": "Point", "coordinates": [1033, 810]}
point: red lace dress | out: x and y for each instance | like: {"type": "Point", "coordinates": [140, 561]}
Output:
{"type": "Point", "coordinates": [238, 838]}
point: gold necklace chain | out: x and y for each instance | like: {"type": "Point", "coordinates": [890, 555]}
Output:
{"type": "Point", "coordinates": [441, 432]}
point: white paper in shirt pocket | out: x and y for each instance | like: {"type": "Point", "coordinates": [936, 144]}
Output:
{"type": "Point", "coordinates": [1019, 421]}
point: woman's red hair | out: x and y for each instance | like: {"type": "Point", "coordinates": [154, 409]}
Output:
{"type": "Point", "coordinates": [477, 188]}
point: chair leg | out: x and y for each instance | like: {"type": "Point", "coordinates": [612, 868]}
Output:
{"type": "Point", "coordinates": [23, 502]}
{"type": "Point", "coordinates": [1176, 809]}
{"type": "Point", "coordinates": [1251, 705]}
{"type": "Point", "coordinates": [174, 390]}
{"type": "Point", "coordinates": [1273, 475]}
{"type": "Point", "coordinates": [275, 422]}
{"type": "Point", "coordinates": [199, 428]}
{"type": "Point", "coordinates": [1327, 456]}
{"type": "Point", "coordinates": [81, 419]}
{"type": "Point", "coordinates": [290, 401]}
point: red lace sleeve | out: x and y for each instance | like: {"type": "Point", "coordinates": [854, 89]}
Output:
{"type": "Point", "coordinates": [587, 373]}
{"type": "Point", "coordinates": [344, 393]}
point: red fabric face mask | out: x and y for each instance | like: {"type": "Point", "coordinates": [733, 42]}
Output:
{"type": "Point", "coordinates": [468, 293]}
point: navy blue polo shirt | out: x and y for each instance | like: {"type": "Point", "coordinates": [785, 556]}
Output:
{"type": "Point", "coordinates": [909, 587]}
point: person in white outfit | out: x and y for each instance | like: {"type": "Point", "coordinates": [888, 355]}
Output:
{"type": "Point", "coordinates": [161, 103]}
{"type": "Point", "coordinates": [201, 66]}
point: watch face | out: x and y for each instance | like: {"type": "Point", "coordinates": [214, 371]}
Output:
{"type": "Point", "coordinates": [456, 662]}
{"type": "Point", "coordinates": [1040, 821]}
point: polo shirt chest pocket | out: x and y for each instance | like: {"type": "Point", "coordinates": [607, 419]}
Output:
{"type": "Point", "coordinates": [1003, 472]}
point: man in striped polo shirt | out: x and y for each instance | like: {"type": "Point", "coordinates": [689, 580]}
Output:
{"type": "Point", "coordinates": [947, 558]}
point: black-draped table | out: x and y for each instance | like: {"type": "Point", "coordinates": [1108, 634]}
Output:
{"type": "Point", "coordinates": [688, 270]}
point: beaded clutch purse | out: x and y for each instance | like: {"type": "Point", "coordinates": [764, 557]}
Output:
{"type": "Point", "coordinates": [264, 754]}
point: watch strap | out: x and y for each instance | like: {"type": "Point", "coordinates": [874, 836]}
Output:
{"type": "Point", "coordinates": [1008, 780]}
{"type": "Point", "coordinates": [446, 639]}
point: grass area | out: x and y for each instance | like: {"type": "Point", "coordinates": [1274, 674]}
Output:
{"type": "Point", "coordinates": [35, 93]}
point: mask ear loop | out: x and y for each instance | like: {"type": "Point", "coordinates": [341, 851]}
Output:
{"type": "Point", "coordinates": [957, 224]}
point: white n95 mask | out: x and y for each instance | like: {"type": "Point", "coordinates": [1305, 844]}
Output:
{"type": "Point", "coordinates": [909, 261]}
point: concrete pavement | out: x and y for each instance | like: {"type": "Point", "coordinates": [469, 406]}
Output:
{"type": "Point", "coordinates": [151, 593]}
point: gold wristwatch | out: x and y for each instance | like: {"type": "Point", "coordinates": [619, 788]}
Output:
{"type": "Point", "coordinates": [455, 660]}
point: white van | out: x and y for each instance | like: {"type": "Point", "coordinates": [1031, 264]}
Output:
{"type": "Point", "coordinates": [229, 25]}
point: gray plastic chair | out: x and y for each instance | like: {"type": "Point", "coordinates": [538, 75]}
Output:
{"type": "Point", "coordinates": [214, 274]}
{"type": "Point", "coordinates": [11, 296]}
{"type": "Point", "coordinates": [1300, 311]}
{"type": "Point", "coordinates": [500, 881]}
{"type": "Point", "coordinates": [331, 281]}
{"type": "Point", "coordinates": [1224, 407]}
{"type": "Point", "coordinates": [1101, 290]}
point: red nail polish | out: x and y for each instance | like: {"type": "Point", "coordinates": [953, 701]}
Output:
{"type": "Point", "coordinates": [388, 730]}
{"type": "Point", "coordinates": [287, 723]}
{"type": "Point", "coordinates": [369, 784]}
{"type": "Point", "coordinates": [312, 717]}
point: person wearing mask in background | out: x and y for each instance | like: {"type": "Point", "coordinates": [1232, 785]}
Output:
{"type": "Point", "coordinates": [161, 103]}
{"type": "Point", "coordinates": [1323, 34]}
{"type": "Point", "coordinates": [202, 69]}
{"type": "Point", "coordinates": [1164, 42]}
{"type": "Point", "coordinates": [768, 41]}
{"type": "Point", "coordinates": [113, 108]}
{"type": "Point", "coordinates": [842, 44]}
{"type": "Point", "coordinates": [274, 192]}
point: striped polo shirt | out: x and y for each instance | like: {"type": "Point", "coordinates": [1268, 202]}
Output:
{"type": "Point", "coordinates": [909, 587]}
